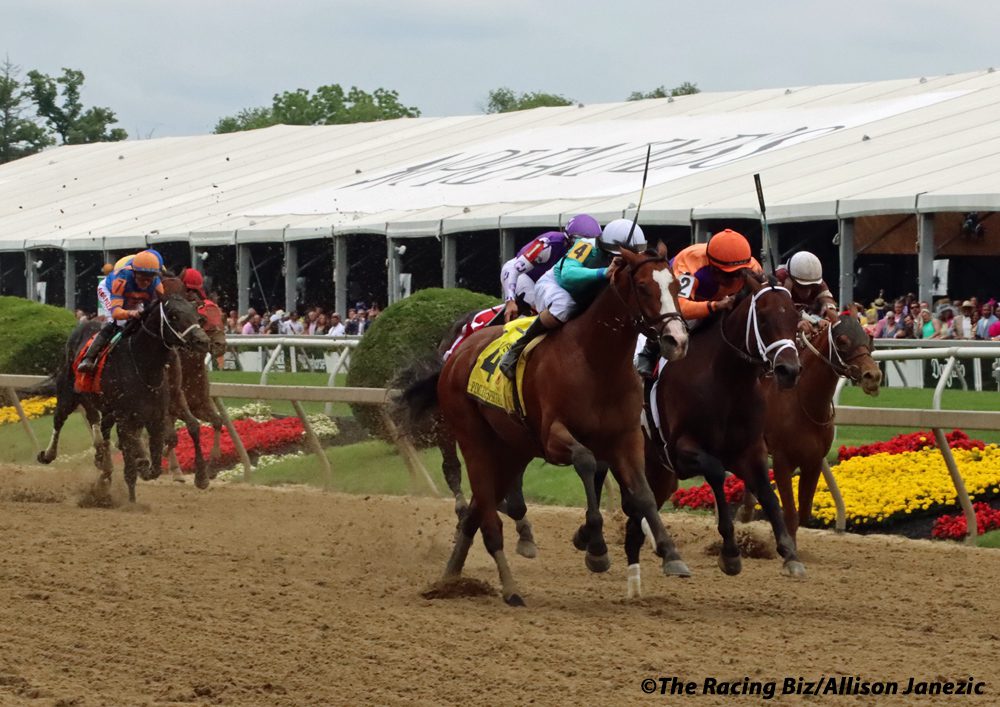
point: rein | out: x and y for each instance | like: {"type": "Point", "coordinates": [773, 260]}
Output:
{"type": "Point", "coordinates": [644, 323]}
{"type": "Point", "coordinates": [840, 366]}
{"type": "Point", "coordinates": [181, 336]}
{"type": "Point", "coordinates": [773, 349]}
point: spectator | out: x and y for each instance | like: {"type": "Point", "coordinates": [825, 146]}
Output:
{"type": "Point", "coordinates": [295, 325]}
{"type": "Point", "coordinates": [949, 326]}
{"type": "Point", "coordinates": [888, 327]}
{"type": "Point", "coordinates": [312, 321]}
{"type": "Point", "coordinates": [252, 325]}
{"type": "Point", "coordinates": [321, 324]}
{"type": "Point", "coordinates": [985, 321]}
{"type": "Point", "coordinates": [233, 323]}
{"type": "Point", "coordinates": [351, 325]}
{"type": "Point", "coordinates": [928, 326]}
{"type": "Point", "coordinates": [336, 327]}
{"type": "Point", "coordinates": [965, 324]}
{"type": "Point", "coordinates": [906, 331]}
{"type": "Point", "coordinates": [363, 322]}
{"type": "Point", "coordinates": [274, 324]}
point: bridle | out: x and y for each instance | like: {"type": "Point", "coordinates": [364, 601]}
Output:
{"type": "Point", "coordinates": [165, 323]}
{"type": "Point", "coordinates": [649, 326]}
{"type": "Point", "coordinates": [837, 363]}
{"type": "Point", "coordinates": [766, 353]}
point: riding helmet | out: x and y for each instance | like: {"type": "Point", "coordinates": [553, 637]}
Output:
{"type": "Point", "coordinates": [583, 226]}
{"type": "Point", "coordinates": [805, 268]}
{"type": "Point", "coordinates": [616, 235]}
{"type": "Point", "coordinates": [728, 250]}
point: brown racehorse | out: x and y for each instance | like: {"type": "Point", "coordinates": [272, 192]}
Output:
{"type": "Point", "coordinates": [799, 423]}
{"type": "Point", "coordinates": [191, 401]}
{"type": "Point", "coordinates": [582, 401]}
{"type": "Point", "coordinates": [711, 406]}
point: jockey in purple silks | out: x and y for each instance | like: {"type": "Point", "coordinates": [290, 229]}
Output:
{"type": "Point", "coordinates": [519, 274]}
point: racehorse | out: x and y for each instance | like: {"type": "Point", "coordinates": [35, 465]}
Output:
{"type": "Point", "coordinates": [191, 401]}
{"type": "Point", "coordinates": [799, 422]}
{"type": "Point", "coordinates": [133, 396]}
{"type": "Point", "coordinates": [581, 401]}
{"type": "Point", "coordinates": [711, 407]}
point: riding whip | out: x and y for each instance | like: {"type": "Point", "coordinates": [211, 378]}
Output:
{"type": "Point", "coordinates": [767, 247]}
{"type": "Point", "coordinates": [642, 191]}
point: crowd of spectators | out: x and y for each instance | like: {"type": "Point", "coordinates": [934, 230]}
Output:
{"type": "Point", "coordinates": [315, 321]}
{"type": "Point", "coordinates": [909, 318]}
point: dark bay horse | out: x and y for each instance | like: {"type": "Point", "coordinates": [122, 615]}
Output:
{"type": "Point", "coordinates": [799, 423]}
{"type": "Point", "coordinates": [582, 401]}
{"type": "Point", "coordinates": [711, 406]}
{"type": "Point", "coordinates": [191, 401]}
{"type": "Point", "coordinates": [134, 396]}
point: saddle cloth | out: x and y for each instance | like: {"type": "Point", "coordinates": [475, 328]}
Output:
{"type": "Point", "coordinates": [89, 382]}
{"type": "Point", "coordinates": [487, 384]}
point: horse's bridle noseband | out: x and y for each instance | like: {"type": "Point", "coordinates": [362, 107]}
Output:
{"type": "Point", "coordinates": [164, 322]}
{"type": "Point", "coordinates": [752, 325]}
{"type": "Point", "coordinates": [651, 327]}
{"type": "Point", "coordinates": [840, 366]}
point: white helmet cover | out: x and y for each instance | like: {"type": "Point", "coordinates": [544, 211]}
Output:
{"type": "Point", "coordinates": [805, 268]}
{"type": "Point", "coordinates": [615, 235]}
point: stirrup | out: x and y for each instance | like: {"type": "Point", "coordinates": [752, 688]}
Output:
{"type": "Point", "coordinates": [87, 365]}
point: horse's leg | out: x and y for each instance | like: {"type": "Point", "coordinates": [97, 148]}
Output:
{"type": "Point", "coordinates": [451, 467]}
{"type": "Point", "coordinates": [692, 461]}
{"type": "Point", "coordinates": [100, 430]}
{"type": "Point", "coordinates": [65, 405]}
{"type": "Point", "coordinates": [590, 536]}
{"type": "Point", "coordinates": [640, 503]}
{"type": "Point", "coordinates": [808, 478]}
{"type": "Point", "coordinates": [517, 509]}
{"type": "Point", "coordinates": [783, 469]}
{"type": "Point", "coordinates": [752, 468]}
{"type": "Point", "coordinates": [504, 471]}
{"type": "Point", "coordinates": [203, 409]}
{"type": "Point", "coordinates": [193, 427]}
{"type": "Point", "coordinates": [131, 445]}
{"type": "Point", "coordinates": [156, 433]}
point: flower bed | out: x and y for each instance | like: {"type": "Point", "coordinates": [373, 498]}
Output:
{"type": "Point", "coordinates": [913, 442]}
{"type": "Point", "coordinates": [954, 527]}
{"type": "Point", "coordinates": [33, 407]}
{"type": "Point", "coordinates": [259, 438]}
{"type": "Point", "coordinates": [897, 480]}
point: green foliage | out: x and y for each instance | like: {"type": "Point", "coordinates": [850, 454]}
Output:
{"type": "Point", "coordinates": [34, 336]}
{"type": "Point", "coordinates": [19, 136]}
{"type": "Point", "coordinates": [407, 332]}
{"type": "Point", "coordinates": [504, 100]}
{"type": "Point", "coordinates": [70, 121]}
{"type": "Point", "coordinates": [685, 89]}
{"type": "Point", "coordinates": [329, 105]}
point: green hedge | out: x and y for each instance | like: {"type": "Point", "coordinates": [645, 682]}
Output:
{"type": "Point", "coordinates": [406, 333]}
{"type": "Point", "coordinates": [33, 336]}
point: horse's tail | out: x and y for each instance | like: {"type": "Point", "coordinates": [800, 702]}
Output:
{"type": "Point", "coordinates": [415, 407]}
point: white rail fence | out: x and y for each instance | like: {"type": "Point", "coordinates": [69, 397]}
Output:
{"type": "Point", "coordinates": [379, 397]}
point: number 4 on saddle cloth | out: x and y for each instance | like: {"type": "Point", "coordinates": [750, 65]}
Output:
{"type": "Point", "coordinates": [91, 382]}
{"type": "Point", "coordinates": [487, 384]}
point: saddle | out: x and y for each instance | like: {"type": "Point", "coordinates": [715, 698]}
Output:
{"type": "Point", "coordinates": [90, 382]}
{"type": "Point", "coordinates": [487, 384]}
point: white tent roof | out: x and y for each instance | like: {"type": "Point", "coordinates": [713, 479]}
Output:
{"type": "Point", "coordinates": [822, 151]}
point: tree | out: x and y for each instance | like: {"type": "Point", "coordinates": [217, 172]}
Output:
{"type": "Point", "coordinates": [19, 136]}
{"type": "Point", "coordinates": [329, 105]}
{"type": "Point", "coordinates": [504, 100]}
{"type": "Point", "coordinates": [73, 124]}
{"type": "Point", "coordinates": [685, 89]}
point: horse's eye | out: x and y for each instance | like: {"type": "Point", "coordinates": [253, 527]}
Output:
{"type": "Point", "coordinates": [641, 287]}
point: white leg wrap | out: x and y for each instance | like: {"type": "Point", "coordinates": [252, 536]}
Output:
{"type": "Point", "coordinates": [634, 582]}
{"type": "Point", "coordinates": [648, 532]}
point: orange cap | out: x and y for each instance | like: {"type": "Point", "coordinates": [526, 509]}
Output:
{"type": "Point", "coordinates": [729, 251]}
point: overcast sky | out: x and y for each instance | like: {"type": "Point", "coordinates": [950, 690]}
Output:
{"type": "Point", "coordinates": [175, 68]}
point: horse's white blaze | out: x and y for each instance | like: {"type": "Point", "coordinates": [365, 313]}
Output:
{"type": "Point", "coordinates": [664, 278]}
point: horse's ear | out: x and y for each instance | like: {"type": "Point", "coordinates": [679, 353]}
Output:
{"type": "Point", "coordinates": [661, 249]}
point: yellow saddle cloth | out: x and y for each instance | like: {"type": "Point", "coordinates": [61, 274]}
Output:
{"type": "Point", "coordinates": [487, 383]}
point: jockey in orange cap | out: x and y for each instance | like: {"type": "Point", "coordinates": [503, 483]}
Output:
{"type": "Point", "coordinates": [710, 274]}
{"type": "Point", "coordinates": [124, 293]}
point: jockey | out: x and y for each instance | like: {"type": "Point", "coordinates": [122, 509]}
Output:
{"type": "Point", "coordinates": [194, 285]}
{"type": "Point", "coordinates": [802, 275]}
{"type": "Point", "coordinates": [519, 274]}
{"type": "Point", "coordinates": [574, 282]}
{"type": "Point", "coordinates": [710, 274]}
{"type": "Point", "coordinates": [123, 293]}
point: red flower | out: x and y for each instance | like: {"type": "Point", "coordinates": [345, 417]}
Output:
{"type": "Point", "coordinates": [258, 437]}
{"type": "Point", "coordinates": [912, 442]}
{"type": "Point", "coordinates": [954, 527]}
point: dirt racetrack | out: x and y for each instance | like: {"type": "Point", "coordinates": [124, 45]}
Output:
{"type": "Point", "coordinates": [244, 596]}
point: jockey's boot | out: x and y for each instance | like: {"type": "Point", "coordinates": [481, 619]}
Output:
{"type": "Point", "coordinates": [645, 361]}
{"type": "Point", "coordinates": [508, 364]}
{"type": "Point", "coordinates": [89, 362]}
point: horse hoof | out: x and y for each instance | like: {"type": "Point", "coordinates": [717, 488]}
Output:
{"type": "Point", "coordinates": [201, 481]}
{"type": "Point", "coordinates": [676, 568]}
{"type": "Point", "coordinates": [580, 539]}
{"type": "Point", "coordinates": [514, 600]}
{"type": "Point", "coordinates": [730, 565]}
{"type": "Point", "coordinates": [794, 568]}
{"type": "Point", "coordinates": [527, 548]}
{"type": "Point", "coordinates": [42, 459]}
{"type": "Point", "coordinates": [597, 563]}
